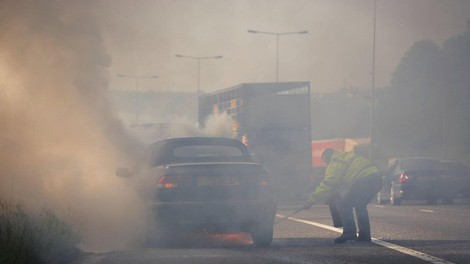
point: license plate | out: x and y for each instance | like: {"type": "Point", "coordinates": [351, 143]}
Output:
{"type": "Point", "coordinates": [217, 181]}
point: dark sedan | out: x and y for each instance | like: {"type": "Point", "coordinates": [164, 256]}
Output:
{"type": "Point", "coordinates": [208, 184]}
{"type": "Point", "coordinates": [415, 178]}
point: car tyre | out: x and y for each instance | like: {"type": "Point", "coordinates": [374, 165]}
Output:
{"type": "Point", "coordinates": [380, 198]}
{"type": "Point", "coordinates": [262, 235]}
{"type": "Point", "coordinates": [448, 196]}
{"type": "Point", "coordinates": [393, 199]}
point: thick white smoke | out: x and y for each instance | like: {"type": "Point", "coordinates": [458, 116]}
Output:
{"type": "Point", "coordinates": [214, 125]}
{"type": "Point", "coordinates": [59, 143]}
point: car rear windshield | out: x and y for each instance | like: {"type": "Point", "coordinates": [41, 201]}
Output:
{"type": "Point", "coordinates": [206, 151]}
{"type": "Point", "coordinates": [455, 168]}
{"type": "Point", "coordinates": [419, 164]}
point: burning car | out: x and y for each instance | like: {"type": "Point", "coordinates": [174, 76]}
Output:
{"type": "Point", "coordinates": [205, 183]}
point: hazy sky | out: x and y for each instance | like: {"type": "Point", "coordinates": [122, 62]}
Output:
{"type": "Point", "coordinates": [143, 37]}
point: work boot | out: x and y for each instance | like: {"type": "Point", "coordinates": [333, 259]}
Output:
{"type": "Point", "coordinates": [363, 237]}
{"type": "Point", "coordinates": [344, 238]}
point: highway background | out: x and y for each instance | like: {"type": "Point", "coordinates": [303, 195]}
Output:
{"type": "Point", "coordinates": [410, 233]}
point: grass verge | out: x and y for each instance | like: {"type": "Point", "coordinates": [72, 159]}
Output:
{"type": "Point", "coordinates": [42, 238]}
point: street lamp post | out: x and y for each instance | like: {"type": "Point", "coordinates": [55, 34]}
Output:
{"type": "Point", "coordinates": [198, 65]}
{"type": "Point", "coordinates": [198, 59]}
{"type": "Point", "coordinates": [137, 78]}
{"type": "Point", "coordinates": [277, 34]}
{"type": "Point", "coordinates": [372, 94]}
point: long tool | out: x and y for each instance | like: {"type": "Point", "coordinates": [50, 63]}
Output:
{"type": "Point", "coordinates": [291, 214]}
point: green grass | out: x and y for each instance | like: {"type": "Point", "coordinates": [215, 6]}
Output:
{"type": "Point", "coordinates": [42, 238]}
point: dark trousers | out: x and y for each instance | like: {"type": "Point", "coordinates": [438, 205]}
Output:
{"type": "Point", "coordinates": [360, 194]}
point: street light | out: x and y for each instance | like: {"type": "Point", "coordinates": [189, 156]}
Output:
{"type": "Point", "coordinates": [198, 59]}
{"type": "Point", "coordinates": [198, 66]}
{"type": "Point", "coordinates": [277, 34]}
{"type": "Point", "coordinates": [137, 78]}
{"type": "Point", "coordinates": [372, 92]}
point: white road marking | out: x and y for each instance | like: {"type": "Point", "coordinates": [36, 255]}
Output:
{"type": "Point", "coordinates": [427, 211]}
{"type": "Point", "coordinates": [388, 245]}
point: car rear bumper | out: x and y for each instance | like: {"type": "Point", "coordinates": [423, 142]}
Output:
{"type": "Point", "coordinates": [218, 215]}
{"type": "Point", "coordinates": [410, 192]}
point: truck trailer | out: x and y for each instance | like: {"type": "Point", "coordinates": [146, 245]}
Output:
{"type": "Point", "coordinates": [273, 120]}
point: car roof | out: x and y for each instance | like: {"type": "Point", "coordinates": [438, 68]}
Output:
{"type": "Point", "coordinates": [399, 165]}
{"type": "Point", "coordinates": [414, 158]}
{"type": "Point", "coordinates": [453, 164]}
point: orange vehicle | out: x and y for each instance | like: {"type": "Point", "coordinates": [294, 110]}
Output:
{"type": "Point", "coordinates": [358, 145]}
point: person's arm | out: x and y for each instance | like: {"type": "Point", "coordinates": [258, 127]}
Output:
{"type": "Point", "coordinates": [332, 178]}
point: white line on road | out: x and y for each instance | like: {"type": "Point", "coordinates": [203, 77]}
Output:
{"type": "Point", "coordinates": [427, 211]}
{"type": "Point", "coordinates": [392, 246]}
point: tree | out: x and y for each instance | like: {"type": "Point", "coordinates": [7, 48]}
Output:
{"type": "Point", "coordinates": [425, 109]}
{"type": "Point", "coordinates": [410, 108]}
{"type": "Point", "coordinates": [456, 96]}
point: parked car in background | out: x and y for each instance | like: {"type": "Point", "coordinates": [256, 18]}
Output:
{"type": "Point", "coordinates": [459, 176]}
{"type": "Point", "coordinates": [415, 178]}
{"type": "Point", "coordinates": [206, 184]}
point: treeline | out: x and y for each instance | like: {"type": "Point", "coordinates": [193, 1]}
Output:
{"type": "Point", "coordinates": [424, 112]}
{"type": "Point", "coordinates": [426, 108]}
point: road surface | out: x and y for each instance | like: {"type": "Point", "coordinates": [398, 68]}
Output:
{"type": "Point", "coordinates": [411, 233]}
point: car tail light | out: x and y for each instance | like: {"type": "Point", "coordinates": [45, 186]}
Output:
{"type": "Point", "coordinates": [167, 182]}
{"type": "Point", "coordinates": [403, 178]}
{"type": "Point", "coordinates": [263, 181]}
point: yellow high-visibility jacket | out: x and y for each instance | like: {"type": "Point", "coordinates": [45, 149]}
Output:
{"type": "Point", "coordinates": [344, 168]}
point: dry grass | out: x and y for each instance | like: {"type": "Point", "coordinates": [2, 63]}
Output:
{"type": "Point", "coordinates": [35, 239]}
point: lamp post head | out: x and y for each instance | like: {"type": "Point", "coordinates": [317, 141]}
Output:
{"type": "Point", "coordinates": [198, 58]}
{"type": "Point", "coordinates": [277, 33]}
{"type": "Point", "coordinates": [137, 76]}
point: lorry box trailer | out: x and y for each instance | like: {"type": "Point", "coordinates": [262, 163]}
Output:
{"type": "Point", "coordinates": [273, 119]}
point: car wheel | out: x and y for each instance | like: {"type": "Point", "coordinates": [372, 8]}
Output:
{"type": "Point", "coordinates": [381, 199]}
{"type": "Point", "coordinates": [393, 199]}
{"type": "Point", "coordinates": [262, 235]}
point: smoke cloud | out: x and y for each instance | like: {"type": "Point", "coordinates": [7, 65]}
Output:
{"type": "Point", "coordinates": [59, 142]}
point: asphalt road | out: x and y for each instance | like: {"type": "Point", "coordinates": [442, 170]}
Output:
{"type": "Point", "coordinates": [410, 233]}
